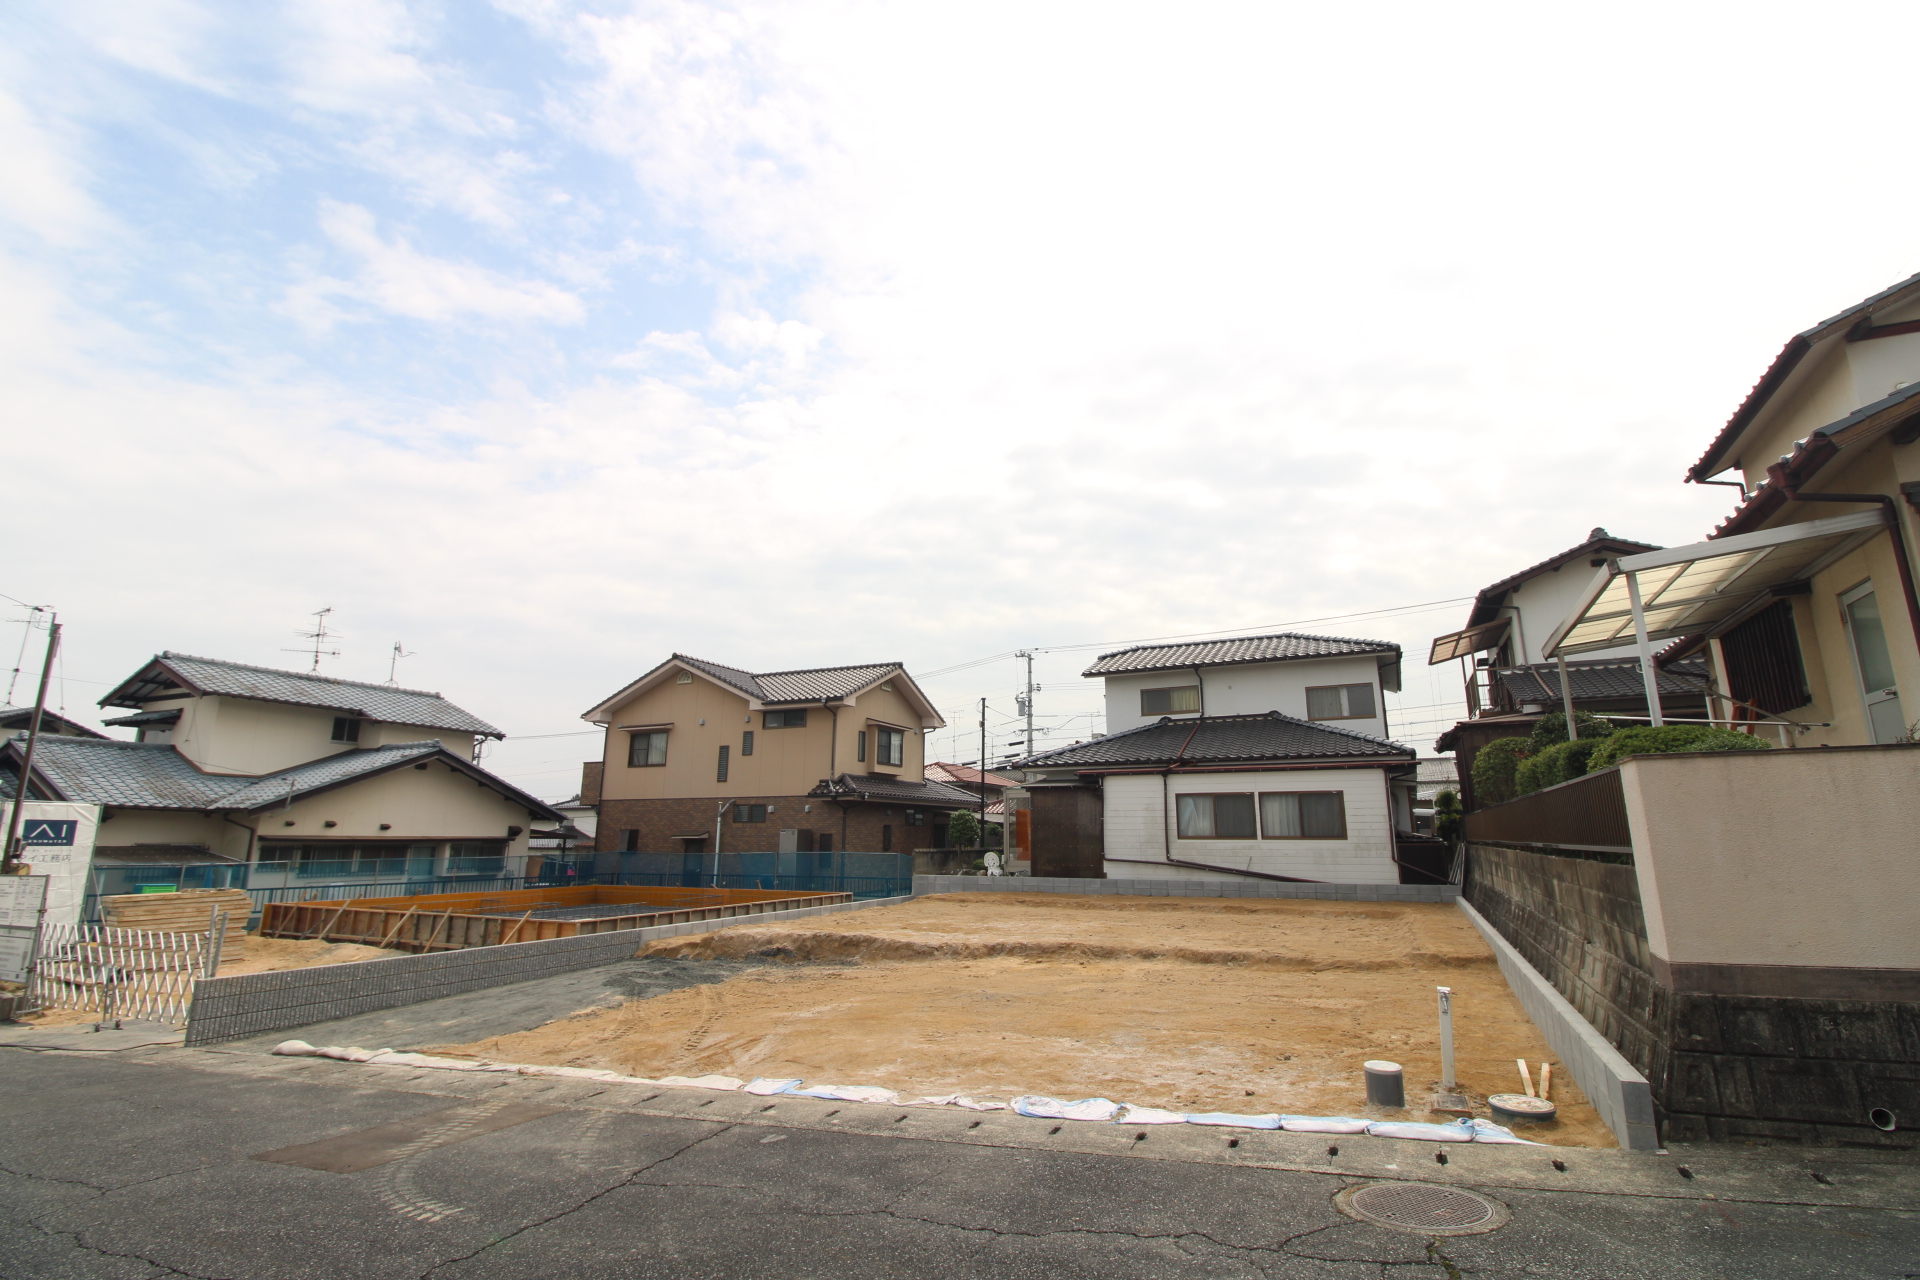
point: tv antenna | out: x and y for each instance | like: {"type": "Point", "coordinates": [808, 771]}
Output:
{"type": "Point", "coordinates": [319, 636]}
{"type": "Point", "coordinates": [393, 664]}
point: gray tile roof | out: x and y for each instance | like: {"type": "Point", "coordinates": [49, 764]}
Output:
{"type": "Point", "coordinates": [139, 775]}
{"type": "Point", "coordinates": [1606, 678]}
{"type": "Point", "coordinates": [776, 687]}
{"type": "Point", "coordinates": [1279, 647]}
{"type": "Point", "coordinates": [20, 719]}
{"type": "Point", "coordinates": [1219, 740]}
{"type": "Point", "coordinates": [891, 790]}
{"type": "Point", "coordinates": [412, 707]}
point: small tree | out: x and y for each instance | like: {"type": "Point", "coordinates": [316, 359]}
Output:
{"type": "Point", "coordinates": [1494, 766]}
{"type": "Point", "coordinates": [963, 831]}
{"type": "Point", "coordinates": [1447, 818]}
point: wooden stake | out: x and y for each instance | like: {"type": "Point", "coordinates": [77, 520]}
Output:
{"type": "Point", "coordinates": [322, 933]}
{"type": "Point", "coordinates": [428, 944]}
{"type": "Point", "coordinates": [1546, 1078]}
{"type": "Point", "coordinates": [516, 926]}
{"type": "Point", "coordinates": [396, 928]}
{"type": "Point", "coordinates": [1526, 1077]}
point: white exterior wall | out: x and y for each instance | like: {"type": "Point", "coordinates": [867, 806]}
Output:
{"type": "Point", "coordinates": [1544, 602]}
{"type": "Point", "coordinates": [1140, 828]}
{"type": "Point", "coordinates": [1252, 689]}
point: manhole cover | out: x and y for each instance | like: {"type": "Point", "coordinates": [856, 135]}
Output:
{"type": "Point", "coordinates": [1423, 1208]}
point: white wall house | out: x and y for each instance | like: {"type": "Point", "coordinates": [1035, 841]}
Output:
{"type": "Point", "coordinates": [1265, 757]}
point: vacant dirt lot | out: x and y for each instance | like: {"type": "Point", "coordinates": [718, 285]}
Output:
{"type": "Point", "coordinates": [1222, 1004]}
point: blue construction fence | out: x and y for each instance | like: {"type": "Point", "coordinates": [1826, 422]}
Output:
{"type": "Point", "coordinates": [865, 875]}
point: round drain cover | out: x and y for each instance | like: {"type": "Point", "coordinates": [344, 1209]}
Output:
{"type": "Point", "coordinates": [1423, 1208]}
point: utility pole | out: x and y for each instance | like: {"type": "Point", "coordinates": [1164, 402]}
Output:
{"type": "Point", "coordinates": [12, 847]}
{"type": "Point", "coordinates": [980, 836]}
{"type": "Point", "coordinates": [1028, 700]}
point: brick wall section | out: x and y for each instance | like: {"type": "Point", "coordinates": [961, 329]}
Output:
{"type": "Point", "coordinates": [660, 821]}
{"type": "Point", "coordinates": [591, 773]}
{"type": "Point", "coordinates": [1580, 924]}
{"type": "Point", "coordinates": [1722, 1068]}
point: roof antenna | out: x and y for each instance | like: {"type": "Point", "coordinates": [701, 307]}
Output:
{"type": "Point", "coordinates": [319, 635]}
{"type": "Point", "coordinates": [393, 664]}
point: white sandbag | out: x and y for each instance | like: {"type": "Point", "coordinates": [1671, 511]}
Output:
{"type": "Point", "coordinates": [848, 1093]}
{"type": "Point", "coordinates": [702, 1082]}
{"type": "Point", "coordinates": [421, 1060]}
{"type": "Point", "coordinates": [1488, 1131]}
{"type": "Point", "coordinates": [766, 1087]}
{"type": "Point", "coordinates": [1232, 1121]}
{"type": "Point", "coordinates": [1323, 1124]}
{"type": "Point", "coordinates": [1149, 1115]}
{"type": "Point", "coordinates": [954, 1100]}
{"type": "Point", "coordinates": [295, 1049]}
{"type": "Point", "coordinates": [1041, 1108]}
{"type": "Point", "coordinates": [1421, 1132]}
{"type": "Point", "coordinates": [582, 1073]}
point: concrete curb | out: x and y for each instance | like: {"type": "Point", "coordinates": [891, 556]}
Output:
{"type": "Point", "coordinates": [1619, 1093]}
{"type": "Point", "coordinates": [1186, 888]}
{"type": "Point", "coordinates": [252, 1003]}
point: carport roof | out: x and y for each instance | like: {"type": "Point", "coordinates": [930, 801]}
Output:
{"type": "Point", "coordinates": [1707, 587]}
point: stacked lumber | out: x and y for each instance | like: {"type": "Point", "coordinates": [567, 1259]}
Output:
{"type": "Point", "coordinates": [188, 911]}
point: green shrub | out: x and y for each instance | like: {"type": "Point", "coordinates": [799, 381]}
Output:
{"type": "Point", "coordinates": [963, 830]}
{"type": "Point", "coordinates": [1551, 729]}
{"type": "Point", "coordinates": [1561, 762]}
{"type": "Point", "coordinates": [1672, 737]}
{"type": "Point", "coordinates": [1447, 819]}
{"type": "Point", "coordinates": [1494, 766]}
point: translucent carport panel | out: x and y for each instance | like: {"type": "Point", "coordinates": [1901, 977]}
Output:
{"type": "Point", "coordinates": [1606, 620]}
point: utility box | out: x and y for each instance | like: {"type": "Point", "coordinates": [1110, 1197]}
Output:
{"type": "Point", "coordinates": [790, 841]}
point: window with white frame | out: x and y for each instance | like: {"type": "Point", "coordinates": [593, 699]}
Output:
{"type": "Point", "coordinates": [1218, 816]}
{"type": "Point", "coordinates": [1303, 815]}
{"type": "Point", "coordinates": [1340, 702]}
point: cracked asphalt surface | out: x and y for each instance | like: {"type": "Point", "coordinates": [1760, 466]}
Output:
{"type": "Point", "coordinates": [136, 1165]}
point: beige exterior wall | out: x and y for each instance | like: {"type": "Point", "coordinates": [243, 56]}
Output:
{"type": "Point", "coordinates": [705, 714]}
{"type": "Point", "coordinates": [431, 804]}
{"type": "Point", "coordinates": [1803, 858]}
{"type": "Point", "coordinates": [239, 735]}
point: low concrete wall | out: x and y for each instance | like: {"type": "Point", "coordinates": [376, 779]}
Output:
{"type": "Point", "coordinates": [1621, 1095]}
{"type": "Point", "coordinates": [252, 1003]}
{"type": "Point", "coordinates": [1168, 888]}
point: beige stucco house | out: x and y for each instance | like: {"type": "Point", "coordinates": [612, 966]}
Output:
{"type": "Point", "coordinates": [1803, 600]}
{"type": "Point", "coordinates": [704, 757]}
{"type": "Point", "coordinates": [310, 778]}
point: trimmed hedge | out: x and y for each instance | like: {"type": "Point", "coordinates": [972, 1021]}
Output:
{"type": "Point", "coordinates": [1668, 738]}
{"type": "Point", "coordinates": [1551, 729]}
{"type": "Point", "coordinates": [1561, 762]}
{"type": "Point", "coordinates": [1494, 767]}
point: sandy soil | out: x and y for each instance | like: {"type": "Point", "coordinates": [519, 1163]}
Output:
{"type": "Point", "coordinates": [1243, 1005]}
{"type": "Point", "coordinates": [265, 955]}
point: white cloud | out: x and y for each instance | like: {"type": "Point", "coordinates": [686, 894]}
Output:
{"type": "Point", "coordinates": [398, 279]}
{"type": "Point", "coordinates": [44, 189]}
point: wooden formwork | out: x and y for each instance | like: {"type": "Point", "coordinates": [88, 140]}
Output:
{"type": "Point", "coordinates": [451, 921]}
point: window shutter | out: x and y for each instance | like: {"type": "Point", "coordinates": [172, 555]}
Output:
{"type": "Point", "coordinates": [746, 742]}
{"type": "Point", "coordinates": [860, 745]}
{"type": "Point", "coordinates": [720, 774]}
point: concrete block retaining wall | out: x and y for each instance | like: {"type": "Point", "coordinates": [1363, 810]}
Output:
{"type": "Point", "coordinates": [1159, 888]}
{"type": "Point", "coordinates": [1621, 1095]}
{"type": "Point", "coordinates": [252, 1003]}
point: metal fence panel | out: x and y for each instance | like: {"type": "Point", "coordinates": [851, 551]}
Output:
{"type": "Point", "coordinates": [118, 973]}
{"type": "Point", "coordinates": [1588, 813]}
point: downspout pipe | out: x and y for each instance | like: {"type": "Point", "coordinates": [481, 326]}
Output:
{"type": "Point", "coordinates": [1166, 789]}
{"type": "Point", "coordinates": [1891, 511]}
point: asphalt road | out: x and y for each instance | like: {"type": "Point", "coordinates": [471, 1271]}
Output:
{"type": "Point", "coordinates": [148, 1163]}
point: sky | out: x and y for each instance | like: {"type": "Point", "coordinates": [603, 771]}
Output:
{"type": "Point", "coordinates": [547, 339]}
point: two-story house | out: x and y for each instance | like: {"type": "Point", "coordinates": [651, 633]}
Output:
{"type": "Point", "coordinates": [316, 778]}
{"type": "Point", "coordinates": [1263, 756]}
{"type": "Point", "coordinates": [701, 757]}
{"type": "Point", "coordinates": [1803, 600]}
